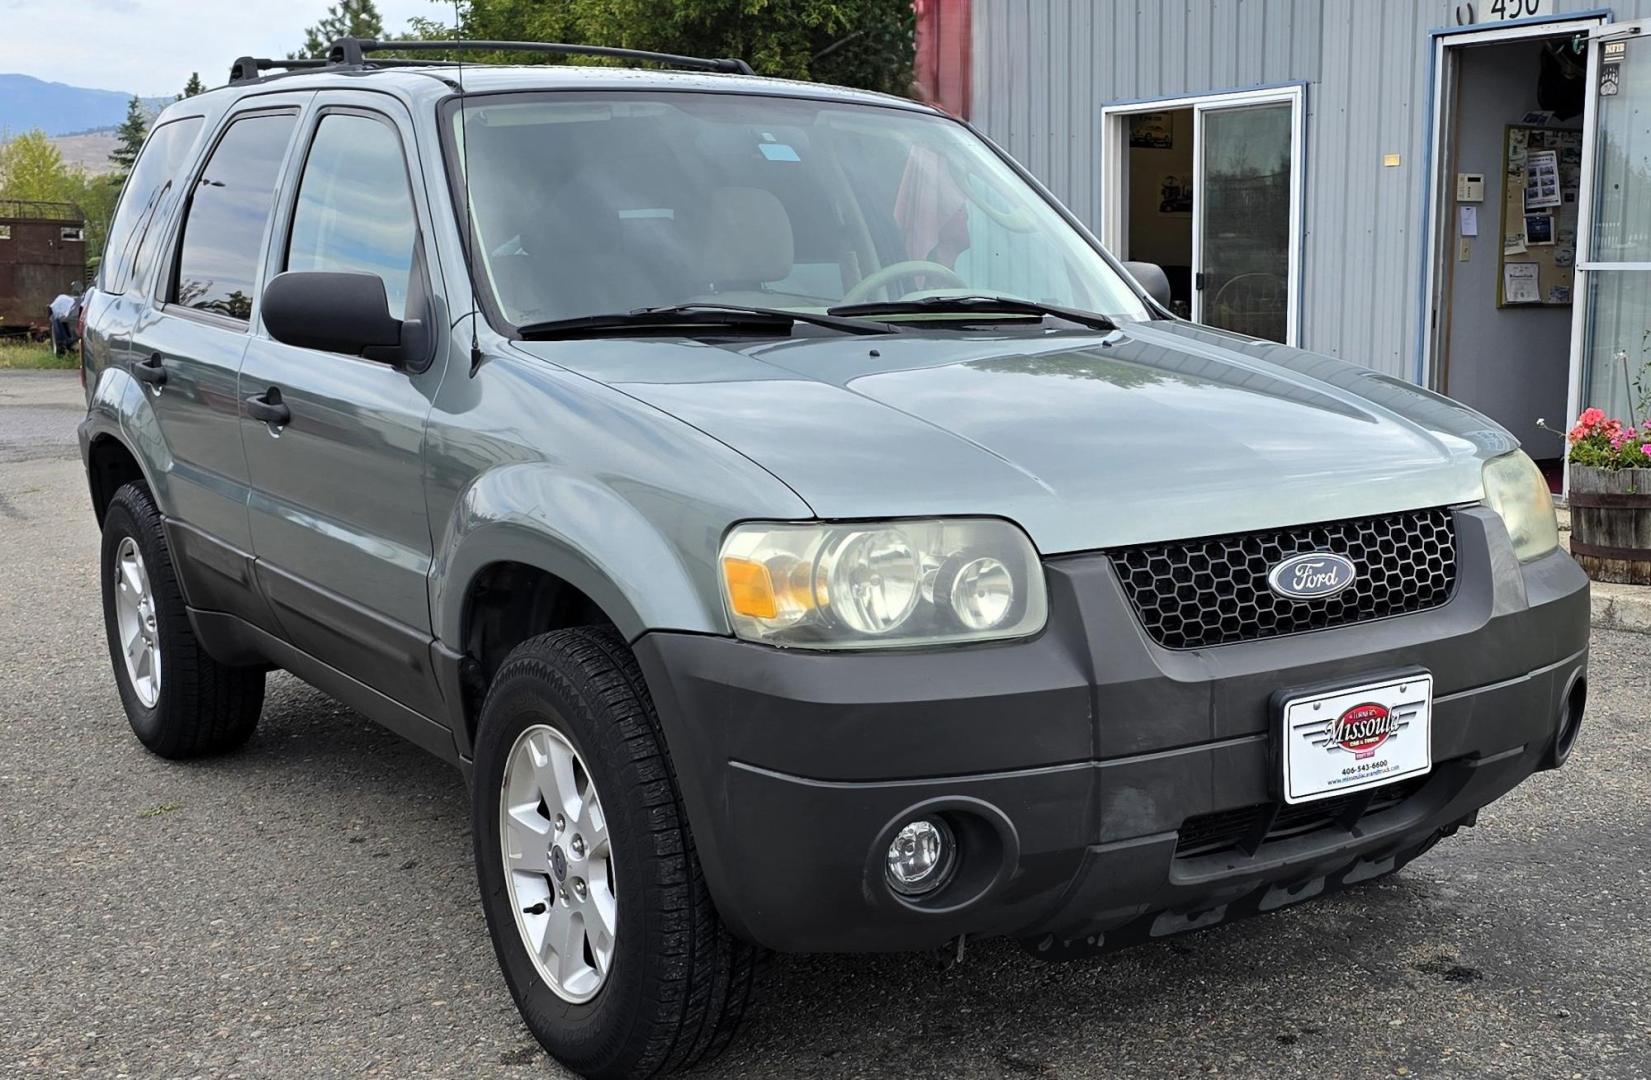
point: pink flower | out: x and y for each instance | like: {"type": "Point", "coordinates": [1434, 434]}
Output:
{"type": "Point", "coordinates": [1586, 424]}
{"type": "Point", "coordinates": [1646, 449]}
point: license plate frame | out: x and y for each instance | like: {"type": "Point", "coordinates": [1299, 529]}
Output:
{"type": "Point", "coordinates": [1317, 764]}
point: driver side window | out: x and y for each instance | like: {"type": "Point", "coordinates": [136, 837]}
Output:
{"type": "Point", "coordinates": [355, 211]}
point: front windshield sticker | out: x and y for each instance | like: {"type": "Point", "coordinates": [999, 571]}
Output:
{"type": "Point", "coordinates": [778, 152]}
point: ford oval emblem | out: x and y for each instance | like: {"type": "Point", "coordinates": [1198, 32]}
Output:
{"type": "Point", "coordinates": [1316, 575]}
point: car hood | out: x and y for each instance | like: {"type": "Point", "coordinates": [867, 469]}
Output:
{"type": "Point", "coordinates": [1155, 431]}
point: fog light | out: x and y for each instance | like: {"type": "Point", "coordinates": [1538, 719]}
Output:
{"type": "Point", "coordinates": [920, 859]}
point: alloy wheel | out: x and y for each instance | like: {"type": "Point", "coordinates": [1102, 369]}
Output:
{"type": "Point", "coordinates": [135, 623]}
{"type": "Point", "coordinates": [558, 863]}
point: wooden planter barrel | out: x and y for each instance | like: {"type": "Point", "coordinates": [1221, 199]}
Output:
{"type": "Point", "coordinates": [1611, 523]}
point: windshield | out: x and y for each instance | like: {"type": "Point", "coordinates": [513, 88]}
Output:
{"type": "Point", "coordinates": [589, 204]}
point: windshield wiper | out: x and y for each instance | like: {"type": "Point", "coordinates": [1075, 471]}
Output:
{"type": "Point", "coordinates": [975, 304]}
{"type": "Point", "coordinates": [722, 316]}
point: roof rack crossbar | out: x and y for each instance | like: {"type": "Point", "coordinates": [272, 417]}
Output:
{"type": "Point", "coordinates": [248, 68]}
{"type": "Point", "coordinates": [353, 51]}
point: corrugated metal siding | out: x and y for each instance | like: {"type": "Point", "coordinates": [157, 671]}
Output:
{"type": "Point", "coordinates": [1043, 69]}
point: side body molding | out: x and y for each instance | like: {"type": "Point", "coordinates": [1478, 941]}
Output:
{"type": "Point", "coordinates": [527, 462]}
{"type": "Point", "coordinates": [118, 409]}
{"type": "Point", "coordinates": [579, 530]}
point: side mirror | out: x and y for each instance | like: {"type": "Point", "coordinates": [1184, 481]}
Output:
{"type": "Point", "coordinates": [1152, 278]}
{"type": "Point", "coordinates": [333, 312]}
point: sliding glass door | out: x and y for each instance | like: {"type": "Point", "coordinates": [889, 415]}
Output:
{"type": "Point", "coordinates": [1616, 269]}
{"type": "Point", "coordinates": [1245, 196]}
{"type": "Point", "coordinates": [1245, 235]}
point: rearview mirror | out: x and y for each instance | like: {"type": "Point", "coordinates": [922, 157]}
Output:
{"type": "Point", "coordinates": [334, 312]}
{"type": "Point", "coordinates": [1152, 278]}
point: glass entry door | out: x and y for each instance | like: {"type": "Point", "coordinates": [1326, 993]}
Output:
{"type": "Point", "coordinates": [1615, 318]}
{"type": "Point", "coordinates": [1245, 212]}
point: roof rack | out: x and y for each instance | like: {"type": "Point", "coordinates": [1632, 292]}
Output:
{"type": "Point", "coordinates": [248, 68]}
{"type": "Point", "coordinates": [346, 53]}
{"type": "Point", "coordinates": [354, 50]}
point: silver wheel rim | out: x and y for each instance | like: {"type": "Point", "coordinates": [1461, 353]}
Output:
{"type": "Point", "coordinates": [135, 623]}
{"type": "Point", "coordinates": [558, 863]}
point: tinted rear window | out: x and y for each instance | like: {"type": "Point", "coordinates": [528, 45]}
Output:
{"type": "Point", "coordinates": [148, 192]}
{"type": "Point", "coordinates": [223, 232]}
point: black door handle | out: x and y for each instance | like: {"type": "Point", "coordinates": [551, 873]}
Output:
{"type": "Point", "coordinates": [269, 408]}
{"type": "Point", "coordinates": [150, 370]}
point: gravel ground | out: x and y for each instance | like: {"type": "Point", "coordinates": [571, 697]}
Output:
{"type": "Point", "coordinates": [38, 414]}
{"type": "Point", "coordinates": [306, 907]}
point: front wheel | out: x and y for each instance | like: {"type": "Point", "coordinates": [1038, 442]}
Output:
{"type": "Point", "coordinates": [592, 889]}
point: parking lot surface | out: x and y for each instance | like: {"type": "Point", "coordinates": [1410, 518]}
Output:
{"type": "Point", "coordinates": [306, 907]}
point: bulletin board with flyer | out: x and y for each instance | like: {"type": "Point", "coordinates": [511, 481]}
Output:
{"type": "Point", "coordinates": [1539, 216]}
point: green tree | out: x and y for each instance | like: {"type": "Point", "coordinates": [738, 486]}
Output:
{"type": "Point", "coordinates": [32, 168]}
{"type": "Point", "coordinates": [193, 86]}
{"type": "Point", "coordinates": [869, 44]}
{"type": "Point", "coordinates": [130, 133]}
{"type": "Point", "coordinates": [347, 18]}
{"type": "Point", "coordinates": [96, 198]}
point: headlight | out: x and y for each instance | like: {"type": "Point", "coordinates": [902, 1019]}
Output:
{"type": "Point", "coordinates": [1516, 489]}
{"type": "Point", "coordinates": [871, 585]}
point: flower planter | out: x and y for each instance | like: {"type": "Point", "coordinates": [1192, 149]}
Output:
{"type": "Point", "coordinates": [1611, 523]}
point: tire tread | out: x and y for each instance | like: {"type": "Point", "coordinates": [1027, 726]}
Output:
{"type": "Point", "coordinates": [708, 975]}
{"type": "Point", "coordinates": [205, 707]}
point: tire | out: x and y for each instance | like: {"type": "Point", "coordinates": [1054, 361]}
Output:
{"type": "Point", "coordinates": [676, 984]}
{"type": "Point", "coordinates": [196, 706]}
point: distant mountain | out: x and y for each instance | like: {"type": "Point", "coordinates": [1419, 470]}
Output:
{"type": "Point", "coordinates": [57, 109]}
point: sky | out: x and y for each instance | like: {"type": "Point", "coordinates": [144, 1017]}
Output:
{"type": "Point", "coordinates": [149, 47]}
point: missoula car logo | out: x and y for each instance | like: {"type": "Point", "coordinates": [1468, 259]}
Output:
{"type": "Point", "coordinates": [1313, 576]}
{"type": "Point", "coordinates": [1362, 729]}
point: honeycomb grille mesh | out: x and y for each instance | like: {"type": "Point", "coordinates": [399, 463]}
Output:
{"type": "Point", "coordinates": [1197, 593]}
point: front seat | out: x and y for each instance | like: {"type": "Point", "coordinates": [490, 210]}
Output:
{"type": "Point", "coordinates": [570, 263]}
{"type": "Point", "coordinates": [748, 244]}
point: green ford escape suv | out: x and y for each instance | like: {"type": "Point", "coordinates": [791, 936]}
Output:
{"type": "Point", "coordinates": [802, 535]}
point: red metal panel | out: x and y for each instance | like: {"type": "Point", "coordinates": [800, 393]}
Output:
{"type": "Point", "coordinates": [943, 54]}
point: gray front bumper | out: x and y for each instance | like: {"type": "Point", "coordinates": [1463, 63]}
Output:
{"type": "Point", "coordinates": [1076, 759]}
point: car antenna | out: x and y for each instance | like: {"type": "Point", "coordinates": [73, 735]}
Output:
{"type": "Point", "coordinates": [469, 219]}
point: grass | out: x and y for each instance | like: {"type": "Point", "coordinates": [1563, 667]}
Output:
{"type": "Point", "coordinates": [34, 356]}
{"type": "Point", "coordinates": [160, 808]}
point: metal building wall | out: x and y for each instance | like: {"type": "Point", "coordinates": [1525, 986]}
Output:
{"type": "Point", "coordinates": [1043, 69]}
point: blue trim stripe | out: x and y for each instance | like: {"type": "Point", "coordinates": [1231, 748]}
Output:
{"type": "Point", "coordinates": [1532, 20]}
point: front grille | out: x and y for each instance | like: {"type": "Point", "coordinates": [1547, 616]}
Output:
{"type": "Point", "coordinates": [1196, 593]}
{"type": "Point", "coordinates": [1246, 829]}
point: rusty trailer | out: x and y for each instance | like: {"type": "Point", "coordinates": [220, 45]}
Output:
{"type": "Point", "coordinates": [42, 252]}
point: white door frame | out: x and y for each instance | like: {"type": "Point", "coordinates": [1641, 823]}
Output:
{"type": "Point", "coordinates": [1441, 185]}
{"type": "Point", "coordinates": [1115, 178]}
{"type": "Point", "coordinates": [1584, 218]}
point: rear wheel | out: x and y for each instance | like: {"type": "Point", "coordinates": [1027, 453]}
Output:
{"type": "Point", "coordinates": [180, 702]}
{"type": "Point", "coordinates": [589, 880]}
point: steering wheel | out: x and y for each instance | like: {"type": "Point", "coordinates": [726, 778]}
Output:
{"type": "Point", "coordinates": [894, 272]}
{"type": "Point", "coordinates": [1017, 220]}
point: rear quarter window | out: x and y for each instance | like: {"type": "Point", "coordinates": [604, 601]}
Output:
{"type": "Point", "coordinates": [149, 191]}
{"type": "Point", "coordinates": [228, 212]}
